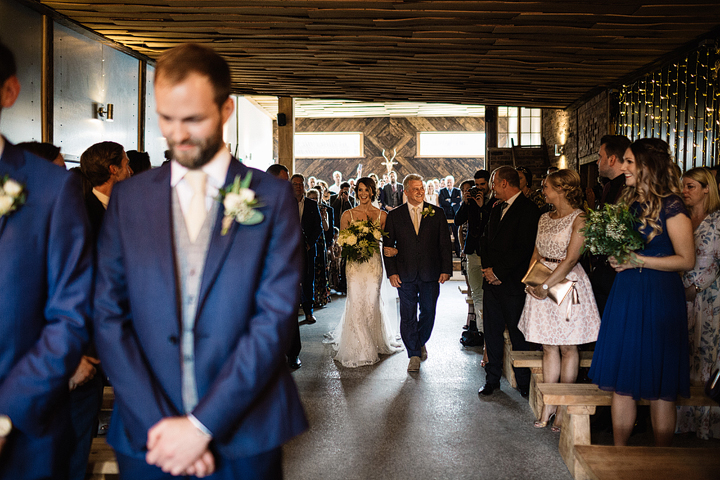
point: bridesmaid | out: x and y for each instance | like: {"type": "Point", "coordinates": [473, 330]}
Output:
{"type": "Point", "coordinates": [642, 349]}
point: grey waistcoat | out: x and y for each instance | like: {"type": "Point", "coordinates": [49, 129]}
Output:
{"type": "Point", "coordinates": [189, 263]}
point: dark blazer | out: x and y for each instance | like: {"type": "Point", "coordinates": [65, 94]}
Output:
{"type": "Point", "coordinates": [390, 199]}
{"type": "Point", "coordinates": [247, 306]}
{"type": "Point", "coordinates": [95, 211]}
{"type": "Point", "coordinates": [422, 256]}
{"type": "Point", "coordinates": [476, 218]}
{"type": "Point", "coordinates": [311, 224]}
{"type": "Point", "coordinates": [46, 274]}
{"type": "Point", "coordinates": [508, 245]}
{"type": "Point", "coordinates": [329, 233]}
{"type": "Point", "coordinates": [450, 201]}
{"type": "Point", "coordinates": [339, 207]}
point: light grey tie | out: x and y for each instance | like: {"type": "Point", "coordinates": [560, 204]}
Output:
{"type": "Point", "coordinates": [195, 216]}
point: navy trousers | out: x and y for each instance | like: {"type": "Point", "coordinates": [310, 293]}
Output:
{"type": "Point", "coordinates": [415, 331]}
{"type": "Point", "coordinates": [266, 466]}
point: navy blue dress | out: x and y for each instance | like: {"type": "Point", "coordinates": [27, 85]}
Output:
{"type": "Point", "coordinates": [642, 348]}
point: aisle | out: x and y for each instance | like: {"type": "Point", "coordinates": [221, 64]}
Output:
{"type": "Point", "coordinates": [380, 422]}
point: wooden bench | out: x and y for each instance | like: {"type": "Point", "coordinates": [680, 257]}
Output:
{"type": "Point", "coordinates": [601, 462]}
{"type": "Point", "coordinates": [577, 401]}
{"type": "Point", "coordinates": [102, 460]}
{"type": "Point", "coordinates": [533, 361]}
{"type": "Point", "coordinates": [108, 399]}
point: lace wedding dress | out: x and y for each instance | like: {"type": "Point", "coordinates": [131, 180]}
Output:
{"type": "Point", "coordinates": [365, 329]}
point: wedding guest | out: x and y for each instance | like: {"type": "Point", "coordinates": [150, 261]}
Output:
{"type": "Point", "coordinates": [337, 185]}
{"type": "Point", "coordinates": [45, 150]}
{"type": "Point", "coordinates": [139, 161]}
{"type": "Point", "coordinates": [334, 261]}
{"type": "Point", "coordinates": [642, 347]}
{"type": "Point", "coordinates": [526, 181]}
{"type": "Point", "coordinates": [322, 291]}
{"type": "Point", "coordinates": [450, 199]}
{"type": "Point", "coordinates": [560, 328]}
{"type": "Point", "coordinates": [702, 291]}
{"type": "Point", "coordinates": [430, 196]}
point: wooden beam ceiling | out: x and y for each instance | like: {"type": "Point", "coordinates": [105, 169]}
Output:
{"type": "Point", "coordinates": [528, 53]}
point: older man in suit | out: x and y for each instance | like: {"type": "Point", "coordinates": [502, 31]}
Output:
{"type": "Point", "coordinates": [45, 282]}
{"type": "Point", "coordinates": [506, 248]}
{"type": "Point", "coordinates": [418, 231]}
{"type": "Point", "coordinates": [450, 199]}
{"type": "Point", "coordinates": [195, 301]}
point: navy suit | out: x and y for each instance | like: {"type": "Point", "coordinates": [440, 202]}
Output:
{"type": "Point", "coordinates": [507, 246]}
{"type": "Point", "coordinates": [45, 282]}
{"type": "Point", "coordinates": [450, 201]}
{"type": "Point", "coordinates": [421, 258]}
{"type": "Point", "coordinates": [243, 326]}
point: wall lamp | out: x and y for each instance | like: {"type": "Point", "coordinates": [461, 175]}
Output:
{"type": "Point", "coordinates": [105, 112]}
{"type": "Point", "coordinates": [559, 150]}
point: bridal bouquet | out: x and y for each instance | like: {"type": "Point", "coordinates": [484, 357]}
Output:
{"type": "Point", "coordinates": [611, 231]}
{"type": "Point", "coordinates": [360, 240]}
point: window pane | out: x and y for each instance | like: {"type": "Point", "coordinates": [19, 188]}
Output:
{"type": "Point", "coordinates": [502, 111]}
{"type": "Point", "coordinates": [525, 124]}
{"type": "Point", "coordinates": [525, 139]}
{"type": "Point", "coordinates": [513, 128]}
{"type": "Point", "coordinates": [451, 144]}
{"type": "Point", "coordinates": [535, 139]}
{"type": "Point", "coordinates": [513, 111]}
{"type": "Point", "coordinates": [514, 137]}
{"type": "Point", "coordinates": [329, 145]}
{"type": "Point", "coordinates": [536, 125]}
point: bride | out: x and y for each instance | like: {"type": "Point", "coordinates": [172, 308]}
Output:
{"type": "Point", "coordinates": [365, 329]}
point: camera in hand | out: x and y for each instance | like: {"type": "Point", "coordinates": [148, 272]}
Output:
{"type": "Point", "coordinates": [474, 191]}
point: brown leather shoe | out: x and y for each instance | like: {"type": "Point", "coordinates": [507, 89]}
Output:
{"type": "Point", "coordinates": [414, 365]}
{"type": "Point", "coordinates": [423, 353]}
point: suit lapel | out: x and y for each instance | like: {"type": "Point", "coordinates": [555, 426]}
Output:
{"type": "Point", "coordinates": [219, 244]}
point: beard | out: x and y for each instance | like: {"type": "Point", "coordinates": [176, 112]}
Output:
{"type": "Point", "coordinates": [207, 148]}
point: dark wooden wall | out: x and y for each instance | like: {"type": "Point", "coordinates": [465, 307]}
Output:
{"type": "Point", "coordinates": [390, 133]}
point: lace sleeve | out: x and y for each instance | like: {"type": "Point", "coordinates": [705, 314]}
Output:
{"type": "Point", "coordinates": [673, 205]}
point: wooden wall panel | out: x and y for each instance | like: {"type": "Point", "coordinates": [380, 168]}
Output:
{"type": "Point", "coordinates": [390, 133]}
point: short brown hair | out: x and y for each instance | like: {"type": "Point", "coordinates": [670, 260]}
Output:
{"type": "Point", "coordinates": [177, 63]}
{"type": "Point", "coordinates": [96, 160]}
{"type": "Point", "coordinates": [509, 174]}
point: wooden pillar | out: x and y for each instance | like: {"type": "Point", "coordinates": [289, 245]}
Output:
{"type": "Point", "coordinates": [47, 93]}
{"type": "Point", "coordinates": [491, 135]}
{"type": "Point", "coordinates": [286, 133]}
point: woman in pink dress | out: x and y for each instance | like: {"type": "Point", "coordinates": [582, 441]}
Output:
{"type": "Point", "coordinates": [560, 328]}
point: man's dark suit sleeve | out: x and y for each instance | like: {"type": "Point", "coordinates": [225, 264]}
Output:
{"type": "Point", "coordinates": [381, 199]}
{"type": "Point", "coordinates": [445, 244]}
{"type": "Point", "coordinates": [390, 241]}
{"type": "Point", "coordinates": [312, 222]}
{"type": "Point", "coordinates": [523, 245]}
{"type": "Point", "coordinates": [461, 216]}
{"type": "Point", "coordinates": [31, 387]}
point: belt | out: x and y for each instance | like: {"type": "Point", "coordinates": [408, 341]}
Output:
{"type": "Point", "coordinates": [552, 260]}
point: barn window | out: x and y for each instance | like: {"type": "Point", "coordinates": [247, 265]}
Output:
{"type": "Point", "coordinates": [451, 144]}
{"type": "Point", "coordinates": [329, 145]}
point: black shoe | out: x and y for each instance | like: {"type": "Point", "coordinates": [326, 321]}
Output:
{"type": "Point", "coordinates": [472, 338]}
{"type": "Point", "coordinates": [294, 363]}
{"type": "Point", "coordinates": [524, 391]}
{"type": "Point", "coordinates": [309, 320]}
{"type": "Point", "coordinates": [488, 389]}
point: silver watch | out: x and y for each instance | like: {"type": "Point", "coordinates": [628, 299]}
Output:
{"type": "Point", "coordinates": [545, 287]}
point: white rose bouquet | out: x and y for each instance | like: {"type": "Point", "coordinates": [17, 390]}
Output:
{"type": "Point", "coordinates": [611, 231]}
{"type": "Point", "coordinates": [240, 204]}
{"type": "Point", "coordinates": [360, 240]}
{"type": "Point", "coordinates": [12, 195]}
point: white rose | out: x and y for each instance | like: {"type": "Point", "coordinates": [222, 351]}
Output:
{"type": "Point", "coordinates": [246, 195]}
{"type": "Point", "coordinates": [232, 201]}
{"type": "Point", "coordinates": [12, 188]}
{"type": "Point", "coordinates": [377, 234]}
{"type": "Point", "coordinates": [364, 229]}
{"type": "Point", "coordinates": [351, 240]}
{"type": "Point", "coordinates": [6, 203]}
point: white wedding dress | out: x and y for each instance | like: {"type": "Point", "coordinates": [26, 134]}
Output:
{"type": "Point", "coordinates": [366, 328]}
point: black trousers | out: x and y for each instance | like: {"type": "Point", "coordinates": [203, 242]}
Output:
{"type": "Point", "coordinates": [500, 311]}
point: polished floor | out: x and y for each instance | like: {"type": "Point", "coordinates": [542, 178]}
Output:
{"type": "Point", "coordinates": [379, 422]}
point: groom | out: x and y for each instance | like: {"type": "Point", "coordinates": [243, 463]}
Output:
{"type": "Point", "coordinates": [420, 234]}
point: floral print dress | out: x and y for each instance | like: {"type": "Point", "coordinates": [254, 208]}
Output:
{"type": "Point", "coordinates": [704, 326]}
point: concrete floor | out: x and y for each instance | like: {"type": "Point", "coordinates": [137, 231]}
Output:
{"type": "Point", "coordinates": [379, 422]}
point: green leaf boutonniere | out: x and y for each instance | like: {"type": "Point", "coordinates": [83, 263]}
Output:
{"type": "Point", "coordinates": [428, 212]}
{"type": "Point", "coordinates": [240, 204]}
{"type": "Point", "coordinates": [12, 195]}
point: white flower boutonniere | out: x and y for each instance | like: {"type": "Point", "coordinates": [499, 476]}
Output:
{"type": "Point", "coordinates": [427, 212]}
{"type": "Point", "coordinates": [240, 204]}
{"type": "Point", "coordinates": [12, 195]}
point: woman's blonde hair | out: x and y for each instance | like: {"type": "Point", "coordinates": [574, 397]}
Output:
{"type": "Point", "coordinates": [567, 181]}
{"type": "Point", "coordinates": [656, 179]}
{"type": "Point", "coordinates": [705, 178]}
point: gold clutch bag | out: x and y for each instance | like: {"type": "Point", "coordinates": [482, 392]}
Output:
{"type": "Point", "coordinates": [538, 273]}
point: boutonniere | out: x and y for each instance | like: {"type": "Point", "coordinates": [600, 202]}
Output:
{"type": "Point", "coordinates": [428, 212]}
{"type": "Point", "coordinates": [12, 195]}
{"type": "Point", "coordinates": [240, 204]}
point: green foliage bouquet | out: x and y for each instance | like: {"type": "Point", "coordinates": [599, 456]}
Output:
{"type": "Point", "coordinates": [360, 240]}
{"type": "Point", "coordinates": [611, 231]}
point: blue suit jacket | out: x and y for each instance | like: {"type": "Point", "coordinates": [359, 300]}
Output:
{"type": "Point", "coordinates": [246, 308]}
{"type": "Point", "coordinates": [45, 285]}
{"type": "Point", "coordinates": [422, 256]}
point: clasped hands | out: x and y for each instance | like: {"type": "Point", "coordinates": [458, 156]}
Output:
{"type": "Point", "coordinates": [490, 277]}
{"type": "Point", "coordinates": [634, 261]}
{"type": "Point", "coordinates": [178, 447]}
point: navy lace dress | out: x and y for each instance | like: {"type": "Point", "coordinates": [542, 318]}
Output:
{"type": "Point", "coordinates": [642, 347]}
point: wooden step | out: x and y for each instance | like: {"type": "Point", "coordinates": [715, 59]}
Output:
{"type": "Point", "coordinates": [102, 459]}
{"type": "Point", "coordinates": [534, 359]}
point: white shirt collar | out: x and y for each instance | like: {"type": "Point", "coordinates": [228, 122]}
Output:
{"type": "Point", "coordinates": [104, 199]}
{"type": "Point", "coordinates": [216, 170]}
{"type": "Point", "coordinates": [510, 200]}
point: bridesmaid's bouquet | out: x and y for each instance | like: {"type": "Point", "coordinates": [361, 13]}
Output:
{"type": "Point", "coordinates": [611, 231]}
{"type": "Point", "coordinates": [360, 240]}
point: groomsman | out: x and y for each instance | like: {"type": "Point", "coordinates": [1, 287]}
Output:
{"type": "Point", "coordinates": [45, 280]}
{"type": "Point", "coordinates": [506, 248]}
{"type": "Point", "coordinates": [194, 309]}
